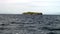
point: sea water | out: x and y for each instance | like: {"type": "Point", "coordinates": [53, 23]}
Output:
{"type": "Point", "coordinates": [29, 24]}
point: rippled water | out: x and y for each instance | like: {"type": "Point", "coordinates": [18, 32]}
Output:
{"type": "Point", "coordinates": [29, 24]}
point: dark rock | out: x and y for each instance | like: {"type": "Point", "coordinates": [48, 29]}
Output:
{"type": "Point", "coordinates": [50, 29]}
{"type": "Point", "coordinates": [12, 22]}
{"type": "Point", "coordinates": [2, 28]}
{"type": "Point", "coordinates": [51, 33]}
{"type": "Point", "coordinates": [4, 24]}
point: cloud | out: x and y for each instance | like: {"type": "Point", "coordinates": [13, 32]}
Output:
{"type": "Point", "coordinates": [19, 6]}
{"type": "Point", "coordinates": [23, 1]}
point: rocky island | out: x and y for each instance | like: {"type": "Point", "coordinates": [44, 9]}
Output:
{"type": "Point", "coordinates": [32, 13]}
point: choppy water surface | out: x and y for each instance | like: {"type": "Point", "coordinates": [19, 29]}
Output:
{"type": "Point", "coordinates": [29, 24]}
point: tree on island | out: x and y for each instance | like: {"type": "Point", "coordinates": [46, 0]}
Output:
{"type": "Point", "coordinates": [32, 13]}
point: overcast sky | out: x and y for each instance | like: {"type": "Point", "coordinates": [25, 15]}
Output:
{"type": "Point", "coordinates": [20, 6]}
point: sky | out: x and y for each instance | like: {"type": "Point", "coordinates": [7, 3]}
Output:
{"type": "Point", "coordinates": [20, 6]}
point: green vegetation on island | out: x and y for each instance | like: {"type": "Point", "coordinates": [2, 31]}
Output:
{"type": "Point", "coordinates": [32, 13]}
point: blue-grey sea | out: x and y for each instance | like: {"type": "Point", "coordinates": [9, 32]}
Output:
{"type": "Point", "coordinates": [29, 24]}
